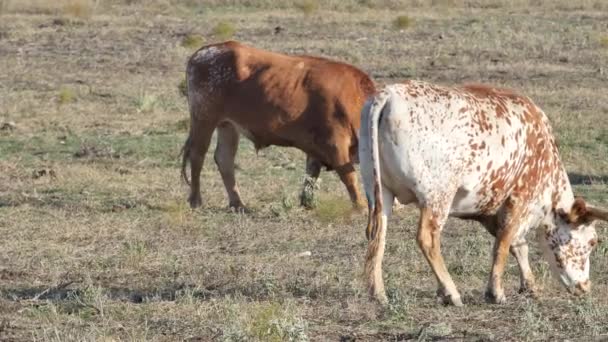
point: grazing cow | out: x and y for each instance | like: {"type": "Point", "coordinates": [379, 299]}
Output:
{"type": "Point", "coordinates": [479, 153]}
{"type": "Point", "coordinates": [311, 103]}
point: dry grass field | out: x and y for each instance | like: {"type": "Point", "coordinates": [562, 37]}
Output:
{"type": "Point", "coordinates": [96, 239]}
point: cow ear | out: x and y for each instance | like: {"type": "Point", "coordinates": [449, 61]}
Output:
{"type": "Point", "coordinates": [597, 213]}
{"type": "Point", "coordinates": [578, 212]}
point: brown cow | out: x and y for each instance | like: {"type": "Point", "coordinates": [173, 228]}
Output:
{"type": "Point", "coordinates": [306, 102]}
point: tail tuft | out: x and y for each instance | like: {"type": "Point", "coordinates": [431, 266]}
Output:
{"type": "Point", "coordinates": [185, 153]}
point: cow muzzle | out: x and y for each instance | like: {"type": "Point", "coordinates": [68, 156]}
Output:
{"type": "Point", "coordinates": [581, 288]}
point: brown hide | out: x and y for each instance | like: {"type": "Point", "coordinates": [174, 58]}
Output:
{"type": "Point", "coordinates": [306, 102]}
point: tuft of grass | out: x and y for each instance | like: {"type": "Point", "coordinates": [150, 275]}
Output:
{"type": "Point", "coordinates": [403, 22]}
{"type": "Point", "coordinates": [193, 41]}
{"type": "Point", "coordinates": [270, 322]}
{"type": "Point", "coordinates": [224, 30]}
{"type": "Point", "coordinates": [307, 7]}
{"type": "Point", "coordinates": [603, 41]}
{"type": "Point", "coordinates": [146, 103]}
{"type": "Point", "coordinates": [333, 210]}
{"type": "Point", "coordinates": [176, 212]}
{"type": "Point", "coordinates": [182, 87]}
{"type": "Point", "coordinates": [66, 95]}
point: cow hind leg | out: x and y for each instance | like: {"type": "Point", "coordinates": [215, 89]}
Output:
{"type": "Point", "coordinates": [195, 150]}
{"type": "Point", "coordinates": [313, 169]}
{"type": "Point", "coordinates": [225, 153]}
{"type": "Point", "coordinates": [429, 233]}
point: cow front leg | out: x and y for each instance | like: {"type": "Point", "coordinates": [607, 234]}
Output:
{"type": "Point", "coordinates": [504, 239]}
{"type": "Point", "coordinates": [519, 250]}
{"type": "Point", "coordinates": [429, 241]}
{"type": "Point", "coordinates": [313, 169]}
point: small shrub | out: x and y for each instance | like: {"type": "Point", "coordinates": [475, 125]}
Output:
{"type": "Point", "coordinates": [193, 41]}
{"type": "Point", "coordinates": [403, 22]}
{"type": "Point", "coordinates": [308, 7]}
{"type": "Point", "coordinates": [66, 95]}
{"type": "Point", "coordinates": [224, 30]}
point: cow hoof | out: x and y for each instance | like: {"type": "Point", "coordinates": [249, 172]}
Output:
{"type": "Point", "coordinates": [495, 298]}
{"type": "Point", "coordinates": [447, 299]}
{"type": "Point", "coordinates": [239, 208]}
{"type": "Point", "coordinates": [528, 292]}
{"type": "Point", "coordinates": [381, 299]}
{"type": "Point", "coordinates": [307, 201]}
{"type": "Point", "coordinates": [359, 208]}
{"type": "Point", "coordinates": [195, 201]}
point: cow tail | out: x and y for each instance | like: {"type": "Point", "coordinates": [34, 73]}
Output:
{"type": "Point", "coordinates": [185, 153]}
{"type": "Point", "coordinates": [375, 198]}
{"type": "Point", "coordinates": [372, 180]}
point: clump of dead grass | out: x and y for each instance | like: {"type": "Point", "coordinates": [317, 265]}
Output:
{"type": "Point", "coordinates": [193, 41]}
{"type": "Point", "coordinates": [307, 7]}
{"type": "Point", "coordinates": [66, 95]}
{"type": "Point", "coordinates": [403, 22]}
{"type": "Point", "coordinates": [224, 30]}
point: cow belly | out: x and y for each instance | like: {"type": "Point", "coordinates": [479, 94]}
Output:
{"type": "Point", "coordinates": [465, 203]}
{"type": "Point", "coordinates": [261, 140]}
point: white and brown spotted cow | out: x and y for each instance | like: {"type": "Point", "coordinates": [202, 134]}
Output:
{"type": "Point", "coordinates": [311, 103]}
{"type": "Point", "coordinates": [478, 153]}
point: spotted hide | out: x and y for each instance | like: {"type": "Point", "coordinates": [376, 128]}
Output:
{"type": "Point", "coordinates": [479, 153]}
{"type": "Point", "coordinates": [310, 103]}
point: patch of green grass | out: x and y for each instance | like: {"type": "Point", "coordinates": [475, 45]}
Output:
{"type": "Point", "coordinates": [333, 209]}
{"type": "Point", "coordinates": [224, 30]}
{"type": "Point", "coordinates": [307, 7]}
{"type": "Point", "coordinates": [403, 22]}
{"type": "Point", "coordinates": [154, 148]}
{"type": "Point", "coordinates": [193, 41]}
{"type": "Point", "coordinates": [259, 321]}
{"type": "Point", "coordinates": [66, 95]}
{"type": "Point", "coordinates": [532, 323]}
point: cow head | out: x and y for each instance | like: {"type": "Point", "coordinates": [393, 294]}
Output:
{"type": "Point", "coordinates": [568, 240]}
